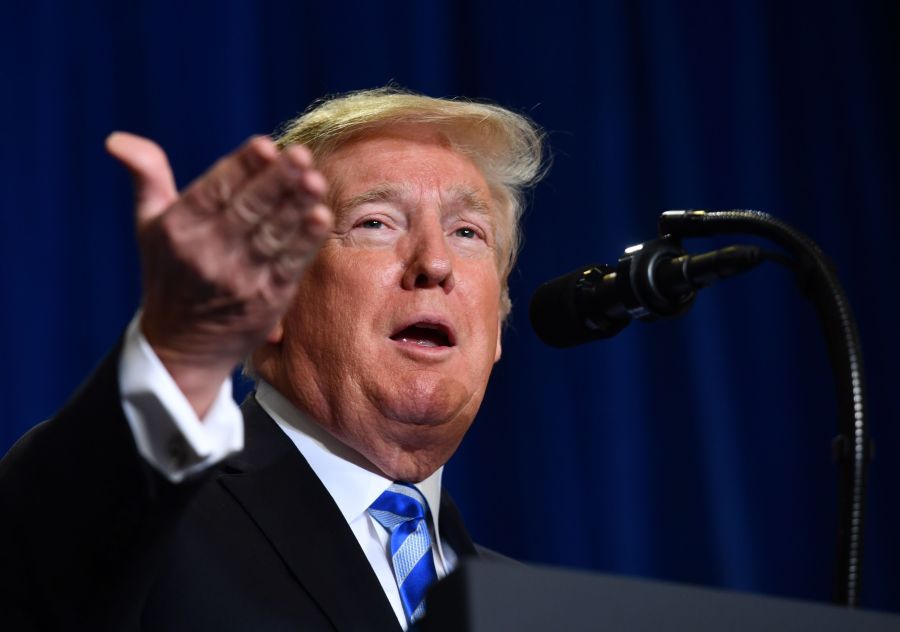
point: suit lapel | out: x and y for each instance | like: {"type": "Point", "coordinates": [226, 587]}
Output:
{"type": "Point", "coordinates": [278, 489]}
{"type": "Point", "coordinates": [453, 530]}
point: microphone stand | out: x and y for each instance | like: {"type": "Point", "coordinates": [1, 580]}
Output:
{"type": "Point", "coordinates": [852, 448]}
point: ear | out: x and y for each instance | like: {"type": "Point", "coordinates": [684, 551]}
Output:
{"type": "Point", "coordinates": [499, 336]}
{"type": "Point", "coordinates": [276, 335]}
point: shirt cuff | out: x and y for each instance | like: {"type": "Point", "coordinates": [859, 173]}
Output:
{"type": "Point", "coordinates": [167, 431]}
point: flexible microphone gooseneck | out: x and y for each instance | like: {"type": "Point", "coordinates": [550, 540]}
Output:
{"type": "Point", "coordinates": [657, 279]}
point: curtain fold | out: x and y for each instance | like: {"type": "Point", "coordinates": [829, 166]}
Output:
{"type": "Point", "coordinates": [693, 450]}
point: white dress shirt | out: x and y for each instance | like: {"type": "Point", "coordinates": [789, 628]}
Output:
{"type": "Point", "coordinates": [354, 487]}
{"type": "Point", "coordinates": [172, 439]}
{"type": "Point", "coordinates": [167, 431]}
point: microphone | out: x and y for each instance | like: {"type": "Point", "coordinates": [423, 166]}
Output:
{"type": "Point", "coordinates": [655, 279]}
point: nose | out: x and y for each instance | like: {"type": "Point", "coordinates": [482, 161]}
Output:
{"type": "Point", "coordinates": [430, 260]}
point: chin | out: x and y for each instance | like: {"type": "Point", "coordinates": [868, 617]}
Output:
{"type": "Point", "coordinates": [411, 448]}
{"type": "Point", "coordinates": [417, 465]}
{"type": "Point", "coordinates": [425, 399]}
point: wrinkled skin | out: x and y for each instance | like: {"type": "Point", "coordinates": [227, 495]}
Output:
{"type": "Point", "coordinates": [386, 335]}
{"type": "Point", "coordinates": [413, 242]}
{"type": "Point", "coordinates": [214, 280]}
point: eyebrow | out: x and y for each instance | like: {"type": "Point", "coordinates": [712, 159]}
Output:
{"type": "Point", "coordinates": [468, 196]}
{"type": "Point", "coordinates": [381, 193]}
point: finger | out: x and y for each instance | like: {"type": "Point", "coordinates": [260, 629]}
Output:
{"type": "Point", "coordinates": [278, 232]}
{"type": "Point", "coordinates": [315, 224]}
{"type": "Point", "coordinates": [154, 185]}
{"type": "Point", "coordinates": [318, 221]}
{"type": "Point", "coordinates": [215, 189]}
{"type": "Point", "coordinates": [289, 176]}
{"type": "Point", "coordinates": [302, 208]}
{"type": "Point", "coordinates": [269, 238]}
{"type": "Point", "coordinates": [312, 183]}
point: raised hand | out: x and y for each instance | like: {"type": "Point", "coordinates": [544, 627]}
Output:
{"type": "Point", "coordinates": [220, 261]}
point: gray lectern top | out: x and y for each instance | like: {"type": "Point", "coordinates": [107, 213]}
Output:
{"type": "Point", "coordinates": [481, 596]}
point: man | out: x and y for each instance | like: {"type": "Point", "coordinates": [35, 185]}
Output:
{"type": "Point", "coordinates": [372, 329]}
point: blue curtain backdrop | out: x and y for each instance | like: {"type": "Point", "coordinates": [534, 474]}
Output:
{"type": "Point", "coordinates": [693, 450]}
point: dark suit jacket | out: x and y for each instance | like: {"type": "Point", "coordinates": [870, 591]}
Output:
{"type": "Point", "coordinates": [91, 537]}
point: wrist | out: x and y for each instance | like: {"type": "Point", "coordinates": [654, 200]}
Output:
{"type": "Point", "coordinates": [197, 370]}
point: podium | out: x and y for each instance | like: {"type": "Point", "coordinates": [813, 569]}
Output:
{"type": "Point", "coordinates": [482, 596]}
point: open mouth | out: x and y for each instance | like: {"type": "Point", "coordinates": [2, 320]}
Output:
{"type": "Point", "coordinates": [425, 335]}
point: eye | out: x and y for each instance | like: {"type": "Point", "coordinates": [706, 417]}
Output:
{"type": "Point", "coordinates": [372, 223]}
{"type": "Point", "coordinates": [467, 232]}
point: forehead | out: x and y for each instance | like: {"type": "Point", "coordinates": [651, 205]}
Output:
{"type": "Point", "coordinates": [403, 157]}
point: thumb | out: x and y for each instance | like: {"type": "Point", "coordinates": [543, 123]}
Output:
{"type": "Point", "coordinates": [154, 185]}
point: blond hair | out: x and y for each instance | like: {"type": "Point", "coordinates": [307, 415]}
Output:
{"type": "Point", "coordinates": [507, 147]}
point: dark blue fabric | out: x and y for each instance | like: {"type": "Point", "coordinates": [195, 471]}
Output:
{"type": "Point", "coordinates": [693, 450]}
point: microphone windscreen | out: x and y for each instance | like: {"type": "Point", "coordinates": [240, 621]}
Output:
{"type": "Point", "coordinates": [554, 313]}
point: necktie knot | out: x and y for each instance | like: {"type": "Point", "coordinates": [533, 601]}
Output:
{"type": "Point", "coordinates": [400, 503]}
{"type": "Point", "coordinates": [402, 510]}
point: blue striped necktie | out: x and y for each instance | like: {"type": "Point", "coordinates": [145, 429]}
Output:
{"type": "Point", "coordinates": [402, 510]}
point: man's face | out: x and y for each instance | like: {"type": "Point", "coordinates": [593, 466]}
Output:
{"type": "Point", "coordinates": [395, 328]}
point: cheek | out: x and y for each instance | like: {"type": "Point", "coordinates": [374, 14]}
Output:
{"type": "Point", "coordinates": [319, 311]}
{"type": "Point", "coordinates": [483, 301]}
{"type": "Point", "coordinates": [424, 397]}
{"type": "Point", "coordinates": [340, 297]}
{"type": "Point", "coordinates": [357, 270]}
{"type": "Point", "coordinates": [385, 271]}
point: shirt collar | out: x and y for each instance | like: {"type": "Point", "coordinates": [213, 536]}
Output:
{"type": "Point", "coordinates": [343, 471]}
